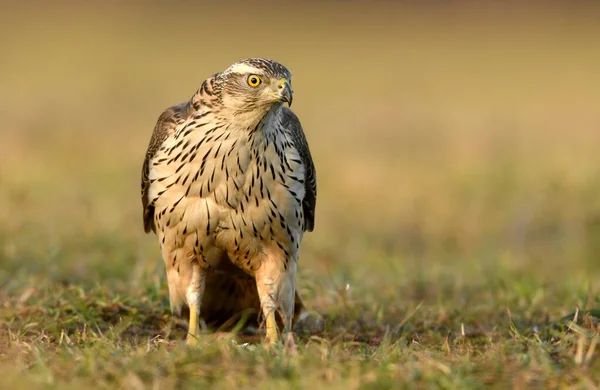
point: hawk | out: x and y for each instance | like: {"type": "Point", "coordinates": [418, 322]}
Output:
{"type": "Point", "coordinates": [229, 188]}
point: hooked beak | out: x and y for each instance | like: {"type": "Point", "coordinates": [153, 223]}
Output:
{"type": "Point", "coordinates": [286, 94]}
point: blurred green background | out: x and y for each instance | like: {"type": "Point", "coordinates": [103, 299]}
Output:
{"type": "Point", "coordinates": [457, 147]}
{"type": "Point", "coordinates": [439, 132]}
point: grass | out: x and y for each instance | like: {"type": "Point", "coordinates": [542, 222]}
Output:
{"type": "Point", "coordinates": [457, 230]}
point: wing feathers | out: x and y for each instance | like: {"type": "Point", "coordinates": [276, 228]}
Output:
{"type": "Point", "coordinates": [165, 127]}
{"type": "Point", "coordinates": [292, 124]}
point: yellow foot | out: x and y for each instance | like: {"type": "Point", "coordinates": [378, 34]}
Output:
{"type": "Point", "coordinates": [193, 328]}
{"type": "Point", "coordinates": [272, 332]}
{"type": "Point", "coordinates": [191, 341]}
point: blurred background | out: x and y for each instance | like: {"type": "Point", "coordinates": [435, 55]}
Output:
{"type": "Point", "coordinates": [456, 144]}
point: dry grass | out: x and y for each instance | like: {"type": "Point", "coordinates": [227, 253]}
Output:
{"type": "Point", "coordinates": [458, 219]}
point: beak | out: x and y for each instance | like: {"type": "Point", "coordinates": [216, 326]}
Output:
{"type": "Point", "coordinates": [286, 94]}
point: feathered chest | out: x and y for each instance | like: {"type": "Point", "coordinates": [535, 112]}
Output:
{"type": "Point", "coordinates": [210, 177]}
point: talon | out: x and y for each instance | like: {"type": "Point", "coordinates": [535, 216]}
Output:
{"type": "Point", "coordinates": [191, 341]}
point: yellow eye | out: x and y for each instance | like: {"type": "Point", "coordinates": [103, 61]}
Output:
{"type": "Point", "coordinates": [254, 80]}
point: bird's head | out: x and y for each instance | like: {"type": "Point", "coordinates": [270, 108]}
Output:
{"type": "Point", "coordinates": [251, 87]}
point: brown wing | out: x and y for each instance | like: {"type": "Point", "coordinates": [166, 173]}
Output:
{"type": "Point", "coordinates": [292, 124]}
{"type": "Point", "coordinates": [166, 125]}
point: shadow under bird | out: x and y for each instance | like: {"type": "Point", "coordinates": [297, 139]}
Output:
{"type": "Point", "coordinates": [229, 188]}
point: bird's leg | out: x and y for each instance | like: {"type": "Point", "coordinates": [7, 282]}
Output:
{"type": "Point", "coordinates": [193, 327]}
{"type": "Point", "coordinates": [194, 298]}
{"type": "Point", "coordinates": [288, 295]}
{"type": "Point", "coordinates": [272, 333]}
{"type": "Point", "coordinates": [276, 285]}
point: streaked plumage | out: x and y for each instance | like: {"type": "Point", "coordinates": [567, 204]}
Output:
{"type": "Point", "coordinates": [229, 187]}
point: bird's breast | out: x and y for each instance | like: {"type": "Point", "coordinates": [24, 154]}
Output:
{"type": "Point", "coordinates": [229, 187]}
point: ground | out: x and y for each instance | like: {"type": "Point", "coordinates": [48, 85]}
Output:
{"type": "Point", "coordinates": [457, 230]}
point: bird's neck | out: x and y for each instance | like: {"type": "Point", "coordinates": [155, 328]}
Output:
{"type": "Point", "coordinates": [237, 118]}
{"type": "Point", "coordinates": [251, 122]}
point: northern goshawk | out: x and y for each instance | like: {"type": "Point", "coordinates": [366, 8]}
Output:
{"type": "Point", "coordinates": [229, 188]}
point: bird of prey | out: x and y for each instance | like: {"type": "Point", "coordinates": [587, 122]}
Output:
{"type": "Point", "coordinates": [229, 188]}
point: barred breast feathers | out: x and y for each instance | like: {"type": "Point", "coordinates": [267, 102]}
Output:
{"type": "Point", "coordinates": [258, 173]}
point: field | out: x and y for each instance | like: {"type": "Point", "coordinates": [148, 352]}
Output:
{"type": "Point", "coordinates": [457, 239]}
